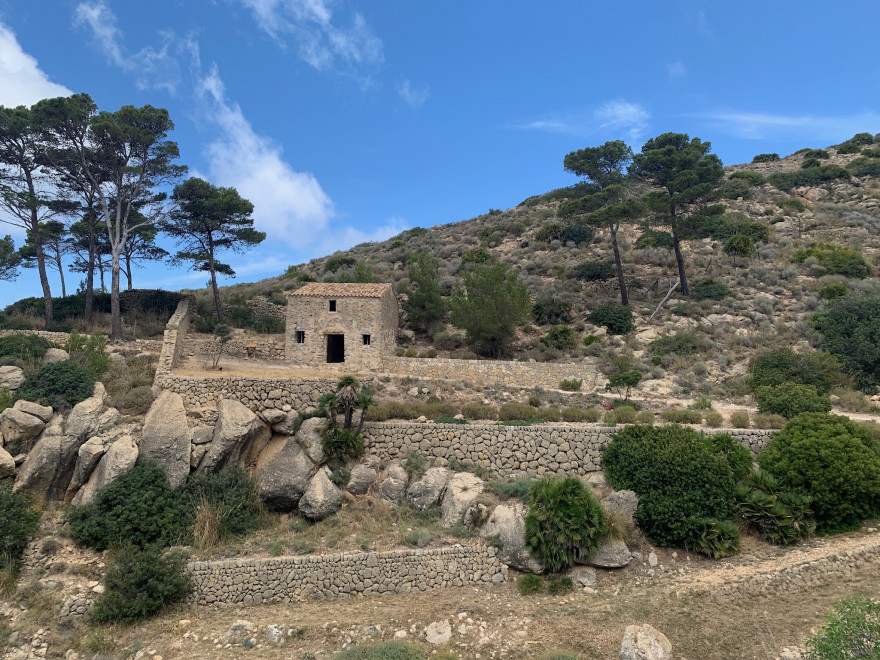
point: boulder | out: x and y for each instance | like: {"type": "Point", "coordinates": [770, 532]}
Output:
{"type": "Point", "coordinates": [11, 377]}
{"type": "Point", "coordinates": [427, 491]}
{"type": "Point", "coordinates": [196, 454]}
{"type": "Point", "coordinates": [88, 455]}
{"type": "Point", "coordinates": [624, 502]}
{"type": "Point", "coordinates": [612, 553]}
{"type": "Point", "coordinates": [119, 459]}
{"type": "Point", "coordinates": [438, 632]}
{"type": "Point", "coordinates": [239, 435]}
{"type": "Point", "coordinates": [273, 416]}
{"type": "Point", "coordinates": [393, 484]}
{"type": "Point", "coordinates": [7, 464]}
{"type": "Point", "coordinates": [312, 440]}
{"type": "Point", "coordinates": [461, 492]}
{"type": "Point", "coordinates": [201, 434]}
{"type": "Point", "coordinates": [48, 466]}
{"type": "Point", "coordinates": [584, 577]}
{"type": "Point", "coordinates": [41, 412]}
{"type": "Point", "coordinates": [92, 416]}
{"type": "Point", "coordinates": [322, 498]}
{"type": "Point", "coordinates": [645, 642]}
{"type": "Point", "coordinates": [283, 473]}
{"type": "Point", "coordinates": [362, 477]}
{"type": "Point", "coordinates": [508, 524]}
{"type": "Point", "coordinates": [166, 437]}
{"type": "Point", "coordinates": [288, 425]}
{"type": "Point", "coordinates": [19, 427]}
{"type": "Point", "coordinates": [55, 355]}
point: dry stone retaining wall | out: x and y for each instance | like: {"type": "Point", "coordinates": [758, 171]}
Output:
{"type": "Point", "coordinates": [152, 345]}
{"type": "Point", "coordinates": [266, 349]}
{"type": "Point", "coordinates": [258, 394]}
{"type": "Point", "coordinates": [290, 579]}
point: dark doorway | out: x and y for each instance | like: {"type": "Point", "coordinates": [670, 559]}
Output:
{"type": "Point", "coordinates": [335, 348]}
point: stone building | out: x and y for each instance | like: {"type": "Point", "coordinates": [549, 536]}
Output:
{"type": "Point", "coordinates": [354, 324]}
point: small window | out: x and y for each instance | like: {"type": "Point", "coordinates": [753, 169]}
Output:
{"type": "Point", "coordinates": [332, 305]}
{"type": "Point", "coordinates": [300, 336]}
{"type": "Point", "coordinates": [366, 340]}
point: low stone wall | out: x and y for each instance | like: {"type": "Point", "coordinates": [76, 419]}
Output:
{"type": "Point", "coordinates": [512, 451]}
{"type": "Point", "coordinates": [266, 349]}
{"type": "Point", "coordinates": [290, 579]}
{"type": "Point", "coordinates": [258, 394]}
{"type": "Point", "coordinates": [54, 337]}
{"type": "Point", "coordinates": [172, 340]}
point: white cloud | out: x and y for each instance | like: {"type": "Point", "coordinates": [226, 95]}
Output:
{"type": "Point", "coordinates": [623, 116]}
{"type": "Point", "coordinates": [413, 95]}
{"type": "Point", "coordinates": [760, 126]}
{"type": "Point", "coordinates": [321, 41]}
{"type": "Point", "coordinates": [348, 236]}
{"type": "Point", "coordinates": [150, 67]}
{"type": "Point", "coordinates": [614, 119]}
{"type": "Point", "coordinates": [676, 69]}
{"type": "Point", "coordinates": [24, 83]}
{"type": "Point", "coordinates": [289, 206]}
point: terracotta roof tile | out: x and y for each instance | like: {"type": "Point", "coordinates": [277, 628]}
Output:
{"type": "Point", "coordinates": [330, 289]}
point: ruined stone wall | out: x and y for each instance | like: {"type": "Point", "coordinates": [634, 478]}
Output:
{"type": "Point", "coordinates": [172, 340]}
{"type": "Point", "coordinates": [291, 579]}
{"type": "Point", "coordinates": [201, 347]}
{"type": "Point", "coordinates": [151, 345]}
{"type": "Point", "coordinates": [258, 394]}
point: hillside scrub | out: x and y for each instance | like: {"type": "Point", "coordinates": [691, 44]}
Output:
{"type": "Point", "coordinates": [61, 385]}
{"type": "Point", "coordinates": [773, 368]}
{"type": "Point", "coordinates": [18, 523]}
{"type": "Point", "coordinates": [850, 329]}
{"type": "Point", "coordinates": [852, 631]}
{"type": "Point", "coordinates": [790, 400]}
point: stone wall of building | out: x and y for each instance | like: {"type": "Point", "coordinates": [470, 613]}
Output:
{"type": "Point", "coordinates": [291, 579]}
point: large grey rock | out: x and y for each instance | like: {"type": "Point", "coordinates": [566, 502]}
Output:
{"type": "Point", "coordinates": [119, 459]}
{"type": "Point", "coordinates": [311, 437]}
{"type": "Point", "coordinates": [461, 492]}
{"type": "Point", "coordinates": [11, 377]}
{"type": "Point", "coordinates": [20, 428]}
{"type": "Point", "coordinates": [196, 454]}
{"type": "Point", "coordinates": [273, 416]}
{"type": "Point", "coordinates": [283, 473]}
{"type": "Point", "coordinates": [427, 491]}
{"type": "Point", "coordinates": [41, 412]}
{"type": "Point", "coordinates": [166, 437]}
{"type": "Point", "coordinates": [612, 553]}
{"type": "Point", "coordinates": [438, 632]}
{"type": "Point", "coordinates": [48, 467]}
{"type": "Point", "coordinates": [202, 434]}
{"type": "Point", "coordinates": [393, 484]}
{"type": "Point", "coordinates": [7, 464]}
{"type": "Point", "coordinates": [322, 498]}
{"type": "Point", "coordinates": [508, 524]}
{"type": "Point", "coordinates": [622, 502]}
{"type": "Point", "coordinates": [645, 642]}
{"type": "Point", "coordinates": [91, 417]}
{"type": "Point", "coordinates": [239, 436]}
{"type": "Point", "coordinates": [88, 455]}
{"type": "Point", "coordinates": [362, 477]}
{"type": "Point", "coordinates": [288, 425]}
{"type": "Point", "coordinates": [55, 355]}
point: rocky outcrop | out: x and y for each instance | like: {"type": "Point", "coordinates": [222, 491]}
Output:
{"type": "Point", "coordinates": [322, 498]}
{"type": "Point", "coordinates": [88, 455]}
{"type": "Point", "coordinates": [7, 464]}
{"type": "Point", "coordinates": [311, 438]}
{"type": "Point", "coordinates": [166, 438]}
{"type": "Point", "coordinates": [622, 502]}
{"type": "Point", "coordinates": [508, 524]}
{"type": "Point", "coordinates": [612, 553]}
{"type": "Point", "coordinates": [461, 492]}
{"type": "Point", "coordinates": [20, 428]}
{"type": "Point", "coordinates": [119, 459]}
{"type": "Point", "coordinates": [11, 377]}
{"type": "Point", "coordinates": [55, 355]}
{"type": "Point", "coordinates": [361, 478]}
{"type": "Point", "coordinates": [239, 435]}
{"type": "Point", "coordinates": [427, 491]}
{"type": "Point", "coordinates": [393, 484]}
{"type": "Point", "coordinates": [43, 413]}
{"type": "Point", "coordinates": [283, 473]}
{"type": "Point", "coordinates": [645, 642]}
{"type": "Point", "coordinates": [288, 425]}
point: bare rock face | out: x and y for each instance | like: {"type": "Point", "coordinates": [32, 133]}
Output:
{"type": "Point", "coordinates": [55, 355]}
{"type": "Point", "coordinates": [322, 498]}
{"type": "Point", "coordinates": [283, 473]}
{"type": "Point", "coordinates": [7, 464]}
{"type": "Point", "coordinates": [312, 439]}
{"type": "Point", "coordinates": [612, 553]}
{"type": "Point", "coordinates": [11, 377]}
{"type": "Point", "coordinates": [645, 642]}
{"type": "Point", "coordinates": [427, 491]}
{"type": "Point", "coordinates": [19, 427]}
{"type": "Point", "coordinates": [508, 524]}
{"type": "Point", "coordinates": [461, 491]}
{"type": "Point", "coordinates": [88, 455]}
{"type": "Point", "coordinates": [41, 412]}
{"type": "Point", "coordinates": [393, 484]}
{"type": "Point", "coordinates": [119, 459]}
{"type": "Point", "coordinates": [238, 435]}
{"type": "Point", "coordinates": [288, 425]}
{"type": "Point", "coordinates": [166, 437]}
{"type": "Point", "coordinates": [624, 502]}
{"type": "Point", "coordinates": [273, 416]}
{"type": "Point", "coordinates": [362, 477]}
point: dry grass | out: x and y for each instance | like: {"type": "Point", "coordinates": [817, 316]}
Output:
{"type": "Point", "coordinates": [206, 529]}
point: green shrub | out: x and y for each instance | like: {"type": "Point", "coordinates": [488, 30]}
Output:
{"type": "Point", "coordinates": [752, 178]}
{"type": "Point", "coordinates": [769, 421]}
{"type": "Point", "coordinates": [592, 415]}
{"type": "Point", "coordinates": [573, 414]}
{"type": "Point", "coordinates": [713, 419]}
{"type": "Point", "coordinates": [564, 523]}
{"type": "Point", "coordinates": [836, 260]}
{"type": "Point", "coordinates": [479, 411]}
{"type": "Point", "coordinates": [549, 232]}
{"type": "Point", "coordinates": [136, 401]}
{"type": "Point", "coordinates": [18, 522]}
{"type": "Point", "coordinates": [682, 416]}
{"type": "Point", "coordinates": [655, 238]}
{"type": "Point", "coordinates": [848, 148]}
{"type": "Point", "coordinates": [6, 400]}
{"type": "Point", "coordinates": [560, 337]}
{"type": "Point", "coordinates": [618, 319]}
{"type": "Point", "coordinates": [623, 381]}
{"type": "Point", "coordinates": [139, 583]}
{"type": "Point", "coordinates": [812, 176]}
{"type": "Point", "coordinates": [416, 464]}
{"type": "Point", "coordinates": [59, 384]}
{"type": "Point", "coordinates": [529, 584]}
{"type": "Point", "coordinates": [593, 271]}
{"type": "Point", "coordinates": [548, 309]}
{"type": "Point", "coordinates": [571, 384]}
{"type": "Point", "coordinates": [645, 417]}
{"type": "Point", "coordinates": [576, 233]}
{"type": "Point", "coordinates": [791, 399]}
{"type": "Point", "coordinates": [519, 489]}
{"type": "Point", "coordinates": [24, 347]}
{"type": "Point", "coordinates": [779, 516]}
{"type": "Point", "coordinates": [865, 167]}
{"type": "Point", "coordinates": [781, 366]}
{"type": "Point", "coordinates": [89, 351]}
{"type": "Point", "coordinates": [231, 495]}
{"type": "Point", "coordinates": [710, 290]}
{"type": "Point", "coordinates": [559, 585]}
{"type": "Point", "coordinates": [680, 476]}
{"type": "Point", "coordinates": [682, 343]}
{"type": "Point", "coordinates": [852, 631]}
{"type": "Point", "coordinates": [735, 188]}
{"type": "Point", "coordinates": [714, 538]}
{"type": "Point", "coordinates": [589, 340]}
{"type": "Point", "coordinates": [342, 444]}
{"type": "Point", "coordinates": [268, 325]}
{"type": "Point", "coordinates": [831, 459]}
{"type": "Point", "coordinates": [385, 651]}
{"type": "Point", "coordinates": [791, 206]}
{"type": "Point", "coordinates": [765, 158]}
{"type": "Point", "coordinates": [850, 330]}
{"type": "Point", "coordinates": [739, 419]}
{"type": "Point", "coordinates": [834, 290]}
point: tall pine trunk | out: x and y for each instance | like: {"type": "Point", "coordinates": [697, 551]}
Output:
{"type": "Point", "coordinates": [621, 283]}
{"type": "Point", "coordinates": [217, 304]}
{"type": "Point", "coordinates": [60, 273]}
{"type": "Point", "coordinates": [679, 258]}
{"type": "Point", "coordinates": [90, 277]}
{"type": "Point", "coordinates": [115, 312]}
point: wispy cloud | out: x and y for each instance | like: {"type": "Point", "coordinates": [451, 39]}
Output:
{"type": "Point", "coordinates": [676, 69]}
{"type": "Point", "coordinates": [348, 236]}
{"type": "Point", "coordinates": [701, 23]}
{"type": "Point", "coordinates": [151, 67]}
{"type": "Point", "coordinates": [623, 116]}
{"type": "Point", "coordinates": [24, 83]}
{"type": "Point", "coordinates": [616, 118]}
{"type": "Point", "coordinates": [320, 39]}
{"type": "Point", "coordinates": [760, 125]}
{"type": "Point", "coordinates": [413, 95]}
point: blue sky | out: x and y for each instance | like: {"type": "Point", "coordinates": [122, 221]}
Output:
{"type": "Point", "coordinates": [345, 121]}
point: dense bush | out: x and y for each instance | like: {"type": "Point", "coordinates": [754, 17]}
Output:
{"type": "Point", "coordinates": [852, 631]}
{"type": "Point", "coordinates": [714, 538]}
{"type": "Point", "coordinates": [576, 233]}
{"type": "Point", "coordinates": [681, 477]}
{"type": "Point", "coordinates": [560, 337]}
{"type": "Point", "coordinates": [831, 459]}
{"type": "Point", "coordinates": [752, 178]}
{"type": "Point", "coordinates": [269, 325]}
{"type": "Point", "coordinates": [812, 176]}
{"type": "Point", "coordinates": [682, 416]}
{"type": "Point", "coordinates": [735, 188]}
{"type": "Point", "coordinates": [618, 319]}
{"type": "Point", "coordinates": [790, 400]}
{"type": "Point", "coordinates": [139, 583]}
{"type": "Point", "coordinates": [18, 522]}
{"type": "Point", "coordinates": [655, 238]}
{"type": "Point", "coordinates": [710, 290]}
{"type": "Point", "coordinates": [850, 330]}
{"type": "Point", "coordinates": [549, 310]}
{"type": "Point", "coordinates": [765, 158]}
{"type": "Point", "coordinates": [739, 419]}
{"type": "Point", "coordinates": [58, 384]}
{"type": "Point", "coordinates": [549, 232]}
{"type": "Point", "coordinates": [820, 370]}
{"type": "Point", "coordinates": [342, 444]}
{"type": "Point", "coordinates": [834, 290]}
{"type": "Point", "coordinates": [232, 497]}
{"type": "Point", "coordinates": [593, 271]}
{"type": "Point", "coordinates": [836, 260]}
{"type": "Point", "coordinates": [865, 167]}
{"type": "Point", "coordinates": [682, 343]}
{"type": "Point", "coordinates": [24, 347]}
{"type": "Point", "coordinates": [89, 351]}
{"type": "Point", "coordinates": [564, 523]}
{"type": "Point", "coordinates": [779, 516]}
